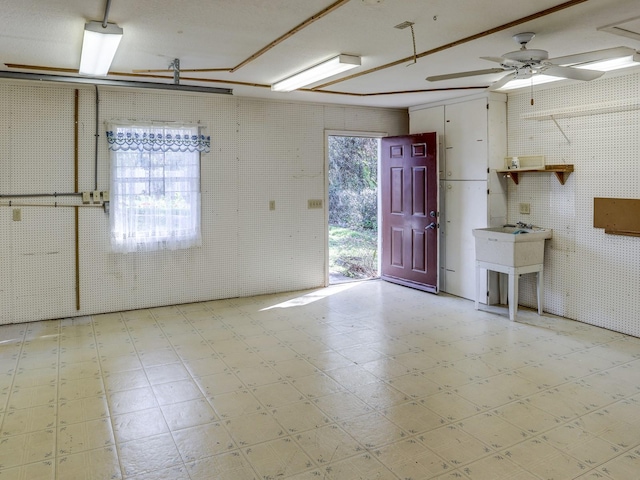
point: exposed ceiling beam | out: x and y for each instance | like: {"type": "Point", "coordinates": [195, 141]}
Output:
{"type": "Point", "coordinates": [234, 82]}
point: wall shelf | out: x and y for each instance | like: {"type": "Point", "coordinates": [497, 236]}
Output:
{"type": "Point", "coordinates": [624, 105]}
{"type": "Point", "coordinates": [562, 172]}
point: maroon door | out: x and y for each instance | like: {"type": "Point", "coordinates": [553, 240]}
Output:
{"type": "Point", "coordinates": [409, 192]}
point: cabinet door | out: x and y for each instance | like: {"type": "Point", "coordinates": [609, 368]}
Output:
{"type": "Point", "coordinates": [466, 140]}
{"type": "Point", "coordinates": [430, 120]}
{"type": "Point", "coordinates": [465, 209]}
{"type": "Point", "coordinates": [427, 120]}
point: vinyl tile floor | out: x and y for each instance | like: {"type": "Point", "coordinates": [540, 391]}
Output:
{"type": "Point", "coordinates": [365, 380]}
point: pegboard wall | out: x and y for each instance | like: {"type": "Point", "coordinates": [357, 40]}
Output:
{"type": "Point", "coordinates": [291, 237]}
{"type": "Point", "coordinates": [260, 151]}
{"type": "Point", "coordinates": [590, 276]}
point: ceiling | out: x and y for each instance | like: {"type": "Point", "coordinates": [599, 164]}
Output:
{"type": "Point", "coordinates": [450, 36]}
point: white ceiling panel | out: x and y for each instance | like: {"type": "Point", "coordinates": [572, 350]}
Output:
{"type": "Point", "coordinates": [46, 37]}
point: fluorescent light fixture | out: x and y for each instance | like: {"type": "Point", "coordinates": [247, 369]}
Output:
{"type": "Point", "coordinates": [601, 65]}
{"type": "Point", "coordinates": [99, 47]}
{"type": "Point", "coordinates": [323, 70]}
{"type": "Point", "coordinates": [613, 63]}
{"type": "Point", "coordinates": [527, 82]}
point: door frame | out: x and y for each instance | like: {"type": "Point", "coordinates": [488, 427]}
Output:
{"type": "Point", "coordinates": [345, 133]}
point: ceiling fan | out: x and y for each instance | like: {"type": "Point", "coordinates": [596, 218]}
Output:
{"type": "Point", "coordinates": [525, 63]}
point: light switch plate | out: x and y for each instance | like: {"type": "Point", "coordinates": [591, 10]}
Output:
{"type": "Point", "coordinates": [525, 208]}
{"type": "Point", "coordinates": [17, 215]}
{"type": "Point", "coordinates": [272, 204]}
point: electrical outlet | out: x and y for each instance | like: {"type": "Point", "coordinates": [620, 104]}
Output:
{"type": "Point", "coordinates": [272, 204]}
{"type": "Point", "coordinates": [317, 203]}
{"type": "Point", "coordinates": [17, 215]}
{"type": "Point", "coordinates": [525, 208]}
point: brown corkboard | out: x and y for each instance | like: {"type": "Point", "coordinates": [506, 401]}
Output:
{"type": "Point", "coordinates": [618, 216]}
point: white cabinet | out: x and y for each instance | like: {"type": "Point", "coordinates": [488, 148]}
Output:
{"type": "Point", "coordinates": [465, 139]}
{"type": "Point", "coordinates": [465, 209]}
{"type": "Point", "coordinates": [472, 135]}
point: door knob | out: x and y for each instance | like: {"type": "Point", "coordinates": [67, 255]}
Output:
{"type": "Point", "coordinates": [431, 226]}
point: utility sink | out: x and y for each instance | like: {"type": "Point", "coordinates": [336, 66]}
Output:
{"type": "Point", "coordinates": [511, 246]}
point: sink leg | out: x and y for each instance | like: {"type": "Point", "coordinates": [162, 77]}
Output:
{"type": "Point", "coordinates": [513, 295]}
{"type": "Point", "coordinates": [477, 284]}
{"type": "Point", "coordinates": [540, 291]}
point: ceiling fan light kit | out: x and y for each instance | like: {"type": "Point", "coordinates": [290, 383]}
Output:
{"type": "Point", "coordinates": [321, 71]}
{"type": "Point", "coordinates": [99, 47]}
{"type": "Point", "coordinates": [528, 67]}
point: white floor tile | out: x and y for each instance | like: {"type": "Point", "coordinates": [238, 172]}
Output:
{"type": "Point", "coordinates": [375, 381]}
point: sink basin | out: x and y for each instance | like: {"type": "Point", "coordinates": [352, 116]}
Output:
{"type": "Point", "coordinates": [511, 246]}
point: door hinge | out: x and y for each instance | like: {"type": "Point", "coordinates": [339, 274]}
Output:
{"type": "Point", "coordinates": [488, 170]}
{"type": "Point", "coordinates": [487, 106]}
{"type": "Point", "coordinates": [488, 192]}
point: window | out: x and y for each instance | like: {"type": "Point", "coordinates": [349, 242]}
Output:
{"type": "Point", "coordinates": [155, 186]}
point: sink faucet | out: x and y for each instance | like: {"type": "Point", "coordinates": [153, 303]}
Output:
{"type": "Point", "coordinates": [524, 225]}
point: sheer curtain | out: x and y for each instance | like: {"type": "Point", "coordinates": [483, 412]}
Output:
{"type": "Point", "coordinates": [155, 186]}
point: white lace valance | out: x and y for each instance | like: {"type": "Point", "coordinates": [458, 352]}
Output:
{"type": "Point", "coordinates": [157, 139]}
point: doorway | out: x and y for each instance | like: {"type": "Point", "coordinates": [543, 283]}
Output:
{"type": "Point", "coordinates": [409, 199]}
{"type": "Point", "coordinates": [353, 165]}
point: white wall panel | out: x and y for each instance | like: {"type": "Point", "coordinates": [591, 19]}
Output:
{"type": "Point", "coordinates": [6, 245]}
{"type": "Point", "coordinates": [6, 253]}
{"type": "Point", "coordinates": [590, 276]}
{"type": "Point", "coordinates": [43, 273]}
{"type": "Point", "coordinates": [184, 275]}
{"type": "Point", "coordinates": [260, 151]}
{"type": "Point", "coordinates": [5, 146]}
{"type": "Point", "coordinates": [391, 122]}
{"type": "Point", "coordinates": [279, 150]}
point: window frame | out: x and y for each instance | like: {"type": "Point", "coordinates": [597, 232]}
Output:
{"type": "Point", "coordinates": [153, 218]}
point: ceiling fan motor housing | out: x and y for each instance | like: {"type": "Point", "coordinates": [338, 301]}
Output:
{"type": "Point", "coordinates": [526, 55]}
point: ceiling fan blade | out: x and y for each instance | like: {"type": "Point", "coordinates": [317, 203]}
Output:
{"type": "Point", "coordinates": [503, 81]}
{"type": "Point", "coordinates": [594, 56]}
{"type": "Point", "coordinates": [450, 76]}
{"type": "Point", "coordinates": [493, 59]}
{"type": "Point", "coordinates": [572, 73]}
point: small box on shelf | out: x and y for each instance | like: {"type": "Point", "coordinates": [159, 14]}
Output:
{"type": "Point", "coordinates": [524, 162]}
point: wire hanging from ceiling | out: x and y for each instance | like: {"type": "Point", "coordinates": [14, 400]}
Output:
{"type": "Point", "coordinates": [402, 26]}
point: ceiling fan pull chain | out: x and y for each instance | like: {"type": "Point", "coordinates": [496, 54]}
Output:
{"type": "Point", "coordinates": [531, 89]}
